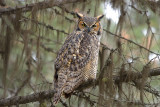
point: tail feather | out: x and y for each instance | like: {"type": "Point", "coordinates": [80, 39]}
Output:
{"type": "Point", "coordinates": [57, 97]}
{"type": "Point", "coordinates": [59, 83]}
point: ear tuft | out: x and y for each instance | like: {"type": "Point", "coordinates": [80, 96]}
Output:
{"type": "Point", "coordinates": [79, 15]}
{"type": "Point", "coordinates": [100, 17]}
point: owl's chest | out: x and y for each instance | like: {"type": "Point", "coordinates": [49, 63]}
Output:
{"type": "Point", "coordinates": [89, 42]}
{"type": "Point", "coordinates": [90, 70]}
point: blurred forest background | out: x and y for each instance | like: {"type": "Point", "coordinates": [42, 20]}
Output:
{"type": "Point", "coordinates": [32, 32]}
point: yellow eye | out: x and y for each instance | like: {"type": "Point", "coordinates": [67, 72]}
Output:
{"type": "Point", "coordinates": [84, 25]}
{"type": "Point", "coordinates": [94, 26]}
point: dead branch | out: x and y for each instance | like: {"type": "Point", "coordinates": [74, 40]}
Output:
{"type": "Point", "coordinates": [147, 88]}
{"type": "Point", "coordinates": [48, 94]}
{"type": "Point", "coordinates": [24, 83]}
{"type": "Point", "coordinates": [117, 100]}
{"type": "Point", "coordinates": [130, 41]}
{"type": "Point", "coordinates": [39, 6]}
{"type": "Point", "coordinates": [26, 99]}
{"type": "Point", "coordinates": [67, 18]}
{"type": "Point", "coordinates": [45, 25]}
{"type": "Point", "coordinates": [130, 76]}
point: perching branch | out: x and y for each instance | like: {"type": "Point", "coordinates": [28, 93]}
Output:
{"type": "Point", "coordinates": [48, 94]}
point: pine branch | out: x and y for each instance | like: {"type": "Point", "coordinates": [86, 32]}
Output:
{"type": "Point", "coordinates": [49, 94]}
{"type": "Point", "coordinates": [47, 26]}
{"type": "Point", "coordinates": [40, 5]}
{"type": "Point", "coordinates": [26, 99]}
{"type": "Point", "coordinates": [130, 42]}
{"type": "Point", "coordinates": [131, 76]}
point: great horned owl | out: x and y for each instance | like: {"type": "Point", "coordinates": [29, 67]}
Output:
{"type": "Point", "coordinates": [77, 60]}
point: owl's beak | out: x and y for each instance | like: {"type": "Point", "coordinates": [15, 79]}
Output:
{"type": "Point", "coordinates": [88, 29]}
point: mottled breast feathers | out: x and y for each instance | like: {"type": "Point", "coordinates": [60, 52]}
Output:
{"type": "Point", "coordinates": [73, 54]}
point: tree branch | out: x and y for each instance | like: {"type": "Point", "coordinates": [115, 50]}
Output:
{"type": "Point", "coordinates": [26, 99]}
{"type": "Point", "coordinates": [47, 26]}
{"type": "Point", "coordinates": [130, 41]}
{"type": "Point", "coordinates": [39, 6]}
{"type": "Point", "coordinates": [48, 94]}
{"type": "Point", "coordinates": [130, 76]}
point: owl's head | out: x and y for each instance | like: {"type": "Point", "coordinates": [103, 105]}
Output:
{"type": "Point", "coordinates": [89, 24]}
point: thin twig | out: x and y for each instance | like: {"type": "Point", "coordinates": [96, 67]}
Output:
{"type": "Point", "coordinates": [45, 25]}
{"type": "Point", "coordinates": [130, 41]}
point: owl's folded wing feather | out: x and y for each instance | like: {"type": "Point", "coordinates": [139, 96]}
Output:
{"type": "Point", "coordinates": [72, 55]}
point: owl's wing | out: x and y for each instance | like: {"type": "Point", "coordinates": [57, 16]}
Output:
{"type": "Point", "coordinates": [72, 55]}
